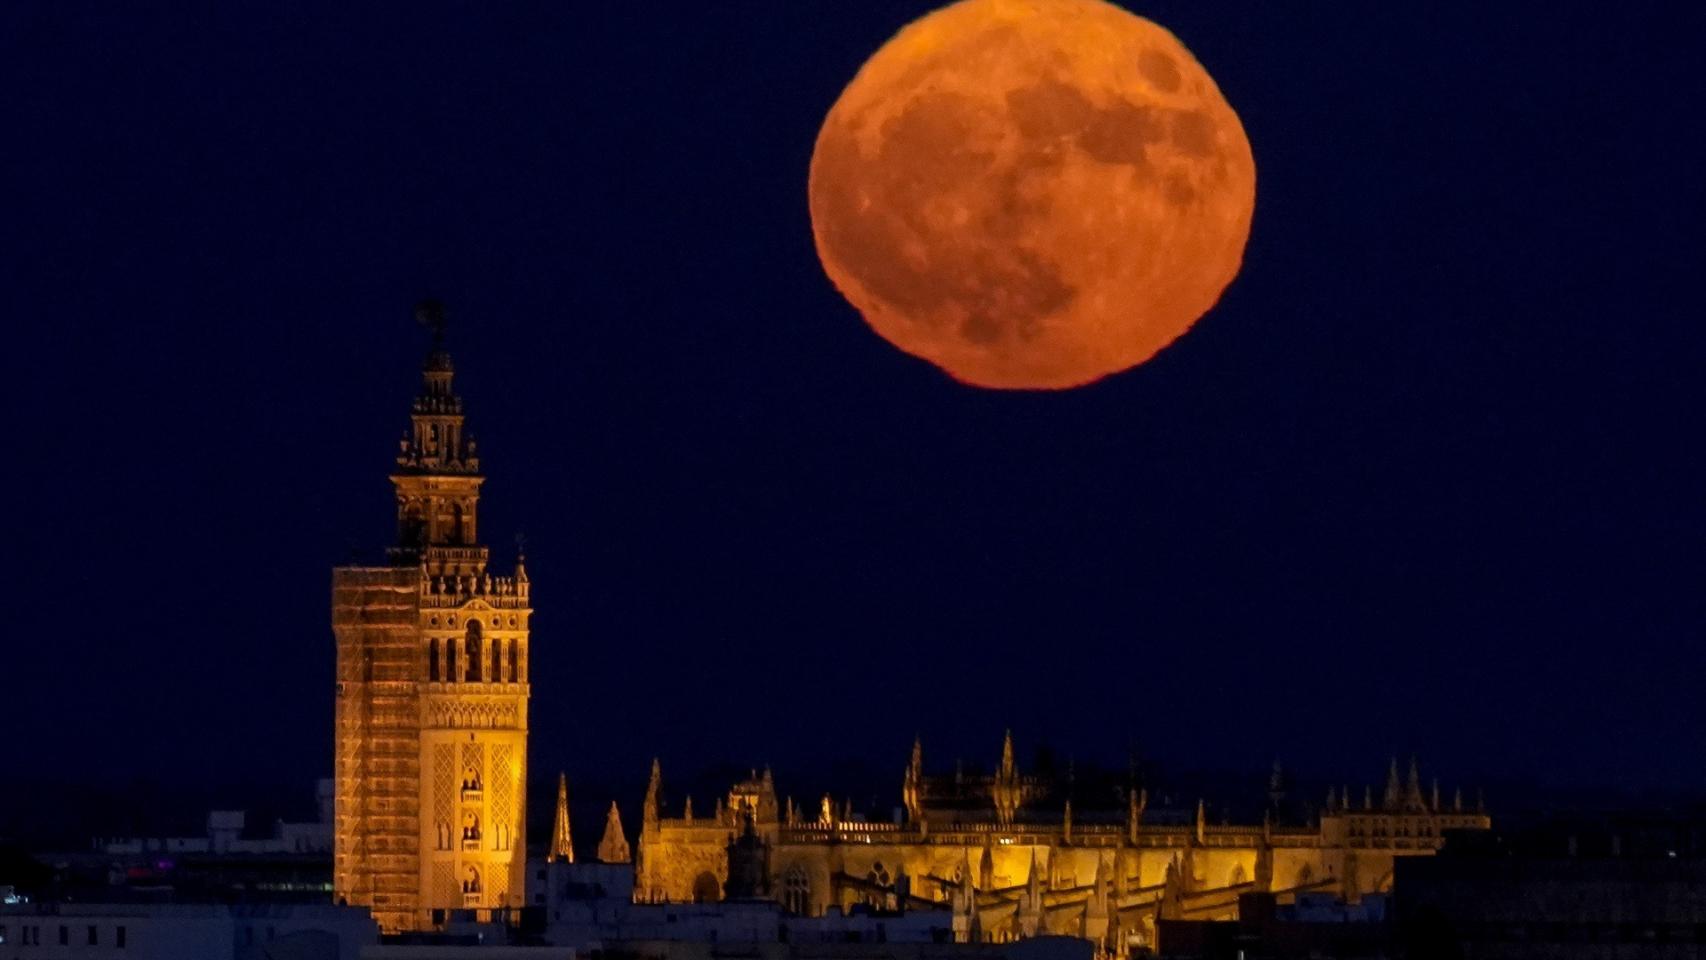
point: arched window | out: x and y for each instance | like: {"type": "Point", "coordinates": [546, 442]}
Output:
{"type": "Point", "coordinates": [471, 881]}
{"type": "Point", "coordinates": [432, 660]}
{"type": "Point", "coordinates": [413, 527]}
{"type": "Point", "coordinates": [797, 891]}
{"type": "Point", "coordinates": [497, 660]}
{"type": "Point", "coordinates": [472, 650]}
{"type": "Point", "coordinates": [705, 888]}
{"type": "Point", "coordinates": [450, 655]}
{"type": "Point", "coordinates": [514, 660]}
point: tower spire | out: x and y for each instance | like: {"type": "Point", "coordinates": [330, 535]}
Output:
{"type": "Point", "coordinates": [1006, 788]}
{"type": "Point", "coordinates": [438, 467]}
{"type": "Point", "coordinates": [912, 789]}
{"type": "Point", "coordinates": [562, 847]}
{"type": "Point", "coordinates": [614, 847]}
{"type": "Point", "coordinates": [649, 816]}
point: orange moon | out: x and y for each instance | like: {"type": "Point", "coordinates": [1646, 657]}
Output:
{"type": "Point", "coordinates": [1032, 194]}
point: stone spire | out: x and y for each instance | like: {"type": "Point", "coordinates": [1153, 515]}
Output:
{"type": "Point", "coordinates": [964, 905]}
{"type": "Point", "coordinates": [1031, 907]}
{"type": "Point", "coordinates": [614, 847]}
{"type": "Point", "coordinates": [1413, 799]}
{"type": "Point", "coordinates": [1393, 797]}
{"type": "Point", "coordinates": [1066, 822]}
{"type": "Point", "coordinates": [986, 865]}
{"type": "Point", "coordinates": [1171, 904]}
{"type": "Point", "coordinates": [654, 791]}
{"type": "Point", "coordinates": [1095, 923]}
{"type": "Point", "coordinates": [768, 811]}
{"type": "Point", "coordinates": [912, 788]}
{"type": "Point", "coordinates": [1006, 787]}
{"type": "Point", "coordinates": [562, 847]}
{"type": "Point", "coordinates": [1202, 821]}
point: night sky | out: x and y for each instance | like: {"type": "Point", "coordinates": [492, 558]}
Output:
{"type": "Point", "coordinates": [1427, 481]}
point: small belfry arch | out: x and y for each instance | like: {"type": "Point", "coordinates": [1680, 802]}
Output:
{"type": "Point", "coordinates": [472, 644]}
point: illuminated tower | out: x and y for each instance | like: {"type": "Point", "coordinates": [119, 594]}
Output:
{"type": "Point", "coordinates": [431, 691]}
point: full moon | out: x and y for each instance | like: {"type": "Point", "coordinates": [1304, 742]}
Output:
{"type": "Point", "coordinates": [1032, 194]}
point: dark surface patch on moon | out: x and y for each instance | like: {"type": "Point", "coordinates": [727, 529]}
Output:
{"type": "Point", "coordinates": [1049, 110]}
{"type": "Point", "coordinates": [1160, 70]}
{"type": "Point", "coordinates": [975, 274]}
{"type": "Point", "coordinates": [932, 141]}
{"type": "Point", "coordinates": [1122, 133]}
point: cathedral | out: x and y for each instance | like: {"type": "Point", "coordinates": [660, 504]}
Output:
{"type": "Point", "coordinates": [431, 727]}
{"type": "Point", "coordinates": [1016, 855]}
{"type": "Point", "coordinates": [431, 775]}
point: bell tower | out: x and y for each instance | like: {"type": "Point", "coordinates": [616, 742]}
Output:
{"type": "Point", "coordinates": [432, 689]}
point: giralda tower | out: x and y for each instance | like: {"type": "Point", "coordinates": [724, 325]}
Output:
{"type": "Point", "coordinates": [431, 690]}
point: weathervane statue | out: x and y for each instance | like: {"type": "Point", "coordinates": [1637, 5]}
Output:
{"type": "Point", "coordinates": [429, 313]}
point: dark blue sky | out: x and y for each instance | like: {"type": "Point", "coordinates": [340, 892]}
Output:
{"type": "Point", "coordinates": [1428, 480]}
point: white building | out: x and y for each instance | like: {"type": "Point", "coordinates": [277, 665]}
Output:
{"type": "Point", "coordinates": [225, 829]}
{"type": "Point", "coordinates": [590, 906]}
{"type": "Point", "coordinates": [183, 932]}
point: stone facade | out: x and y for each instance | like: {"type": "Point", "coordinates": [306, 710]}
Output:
{"type": "Point", "coordinates": [432, 693]}
{"type": "Point", "coordinates": [1010, 856]}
